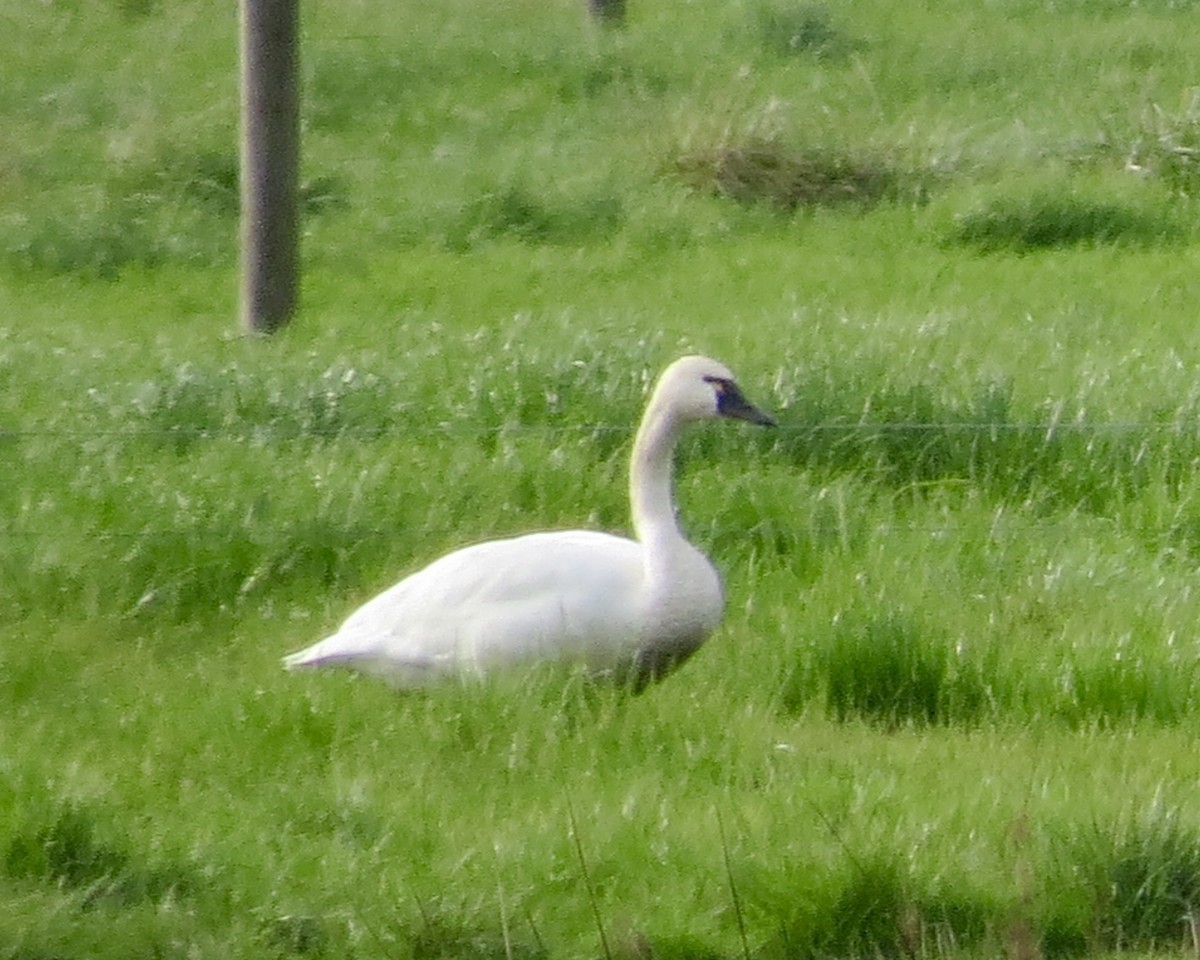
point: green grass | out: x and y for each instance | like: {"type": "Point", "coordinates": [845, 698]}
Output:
{"type": "Point", "coordinates": [951, 712]}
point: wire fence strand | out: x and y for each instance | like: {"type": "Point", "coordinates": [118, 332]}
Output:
{"type": "Point", "coordinates": [270, 432]}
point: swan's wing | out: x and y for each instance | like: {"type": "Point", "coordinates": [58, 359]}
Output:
{"type": "Point", "coordinates": [570, 595]}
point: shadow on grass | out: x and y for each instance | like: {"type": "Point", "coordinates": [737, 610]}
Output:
{"type": "Point", "coordinates": [1118, 889]}
{"type": "Point", "coordinates": [178, 205]}
{"type": "Point", "coordinates": [871, 907]}
{"type": "Point", "coordinates": [1102, 690]}
{"type": "Point", "coordinates": [888, 670]}
{"type": "Point", "coordinates": [1044, 220]}
{"type": "Point", "coordinates": [1124, 887]}
{"type": "Point", "coordinates": [64, 849]}
{"type": "Point", "coordinates": [189, 404]}
{"type": "Point", "coordinates": [185, 573]}
{"type": "Point", "coordinates": [802, 29]}
{"type": "Point", "coordinates": [444, 940]}
{"type": "Point", "coordinates": [908, 438]}
{"type": "Point", "coordinates": [892, 670]}
{"type": "Point", "coordinates": [1131, 886]}
{"type": "Point", "coordinates": [296, 935]}
{"type": "Point", "coordinates": [518, 211]}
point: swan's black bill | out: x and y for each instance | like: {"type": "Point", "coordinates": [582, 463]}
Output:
{"type": "Point", "coordinates": [731, 403]}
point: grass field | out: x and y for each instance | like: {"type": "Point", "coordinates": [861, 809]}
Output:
{"type": "Point", "coordinates": [952, 710]}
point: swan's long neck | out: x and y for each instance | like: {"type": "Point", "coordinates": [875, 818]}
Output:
{"type": "Point", "coordinates": [650, 472]}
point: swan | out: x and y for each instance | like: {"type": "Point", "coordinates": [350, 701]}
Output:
{"type": "Point", "coordinates": [630, 610]}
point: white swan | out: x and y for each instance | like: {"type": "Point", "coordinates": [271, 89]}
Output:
{"type": "Point", "coordinates": [632, 609]}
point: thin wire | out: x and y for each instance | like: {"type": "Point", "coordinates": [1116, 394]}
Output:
{"type": "Point", "coordinates": [318, 432]}
{"type": "Point", "coordinates": [447, 430]}
{"type": "Point", "coordinates": [207, 533]}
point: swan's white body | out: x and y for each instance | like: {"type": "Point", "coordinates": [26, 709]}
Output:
{"type": "Point", "coordinates": [633, 609]}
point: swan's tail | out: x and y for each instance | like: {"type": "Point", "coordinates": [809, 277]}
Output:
{"type": "Point", "coordinates": [322, 654]}
{"type": "Point", "coordinates": [299, 660]}
{"type": "Point", "coordinates": [336, 652]}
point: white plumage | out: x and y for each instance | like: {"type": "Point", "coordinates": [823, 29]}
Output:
{"type": "Point", "coordinates": [632, 609]}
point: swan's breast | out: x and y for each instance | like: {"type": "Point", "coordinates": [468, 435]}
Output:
{"type": "Point", "coordinates": [685, 602]}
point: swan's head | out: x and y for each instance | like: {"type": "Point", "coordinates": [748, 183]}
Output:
{"type": "Point", "coordinates": [697, 388]}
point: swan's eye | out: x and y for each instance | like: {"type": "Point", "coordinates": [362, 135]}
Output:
{"type": "Point", "coordinates": [720, 385]}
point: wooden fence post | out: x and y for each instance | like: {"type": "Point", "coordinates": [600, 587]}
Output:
{"type": "Point", "coordinates": [270, 160]}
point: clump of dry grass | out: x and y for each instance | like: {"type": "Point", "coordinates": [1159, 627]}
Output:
{"type": "Point", "coordinates": [1170, 147]}
{"type": "Point", "coordinates": [767, 171]}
